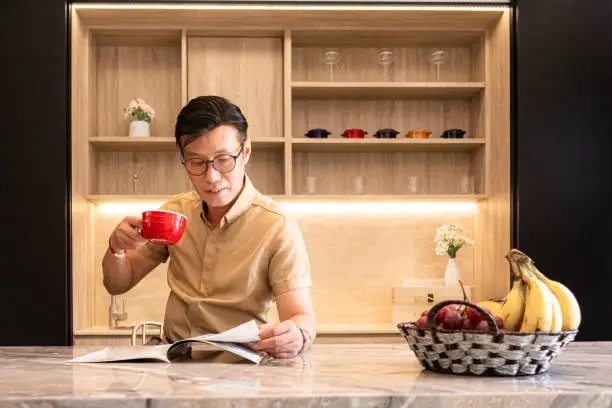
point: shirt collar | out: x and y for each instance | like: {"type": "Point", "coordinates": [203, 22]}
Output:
{"type": "Point", "coordinates": [240, 206]}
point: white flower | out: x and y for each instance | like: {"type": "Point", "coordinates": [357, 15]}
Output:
{"type": "Point", "coordinates": [449, 239]}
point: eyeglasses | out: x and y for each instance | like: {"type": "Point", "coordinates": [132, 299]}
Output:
{"type": "Point", "coordinates": [223, 163]}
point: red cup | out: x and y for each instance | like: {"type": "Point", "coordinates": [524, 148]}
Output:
{"type": "Point", "coordinates": [354, 133]}
{"type": "Point", "coordinates": [163, 227]}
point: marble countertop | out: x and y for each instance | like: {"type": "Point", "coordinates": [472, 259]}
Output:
{"type": "Point", "coordinates": [330, 375]}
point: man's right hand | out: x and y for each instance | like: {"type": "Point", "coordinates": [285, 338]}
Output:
{"type": "Point", "coordinates": [127, 234]}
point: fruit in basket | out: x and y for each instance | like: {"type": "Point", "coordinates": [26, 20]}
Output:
{"type": "Point", "coordinates": [451, 320]}
{"type": "Point", "coordinates": [422, 322]}
{"type": "Point", "coordinates": [531, 305]}
{"type": "Point", "coordinates": [513, 308]}
{"type": "Point", "coordinates": [570, 309]}
{"type": "Point", "coordinates": [493, 305]}
{"type": "Point", "coordinates": [538, 302]}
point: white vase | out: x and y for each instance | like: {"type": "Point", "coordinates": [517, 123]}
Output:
{"type": "Point", "coordinates": [452, 273]}
{"type": "Point", "coordinates": [139, 128]}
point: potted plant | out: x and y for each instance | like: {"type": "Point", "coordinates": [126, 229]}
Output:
{"type": "Point", "coordinates": [450, 239]}
{"type": "Point", "coordinates": [140, 114]}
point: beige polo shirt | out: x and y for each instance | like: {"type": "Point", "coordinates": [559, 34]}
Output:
{"type": "Point", "coordinates": [223, 276]}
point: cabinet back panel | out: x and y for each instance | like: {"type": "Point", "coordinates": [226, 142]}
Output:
{"type": "Point", "coordinates": [380, 173]}
{"type": "Point", "coordinates": [410, 64]}
{"type": "Point", "coordinates": [402, 115]}
{"type": "Point", "coordinates": [247, 71]}
{"type": "Point", "coordinates": [127, 72]}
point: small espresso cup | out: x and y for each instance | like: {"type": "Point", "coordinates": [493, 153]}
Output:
{"type": "Point", "coordinates": [163, 227]}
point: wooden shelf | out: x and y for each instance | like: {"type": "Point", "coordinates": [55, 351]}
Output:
{"type": "Point", "coordinates": [347, 198]}
{"type": "Point", "coordinates": [279, 79]}
{"type": "Point", "coordinates": [385, 90]}
{"type": "Point", "coordinates": [125, 143]}
{"type": "Point", "coordinates": [385, 145]}
{"type": "Point", "coordinates": [380, 37]}
{"type": "Point", "coordinates": [127, 198]}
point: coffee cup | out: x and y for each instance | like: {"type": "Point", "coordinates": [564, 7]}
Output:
{"type": "Point", "coordinates": [163, 227]}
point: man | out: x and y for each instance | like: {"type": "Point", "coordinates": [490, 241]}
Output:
{"type": "Point", "coordinates": [238, 253]}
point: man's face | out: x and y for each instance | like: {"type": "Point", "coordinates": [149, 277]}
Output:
{"type": "Point", "coordinates": [216, 188]}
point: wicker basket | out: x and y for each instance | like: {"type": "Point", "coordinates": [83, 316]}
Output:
{"type": "Point", "coordinates": [492, 353]}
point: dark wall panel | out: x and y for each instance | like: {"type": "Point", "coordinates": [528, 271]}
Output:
{"type": "Point", "coordinates": [564, 146]}
{"type": "Point", "coordinates": [36, 298]}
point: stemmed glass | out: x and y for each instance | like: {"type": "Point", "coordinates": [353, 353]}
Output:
{"type": "Point", "coordinates": [386, 60]}
{"type": "Point", "coordinates": [436, 59]}
{"type": "Point", "coordinates": [331, 57]}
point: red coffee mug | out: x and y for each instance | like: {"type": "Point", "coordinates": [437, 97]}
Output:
{"type": "Point", "coordinates": [163, 227]}
{"type": "Point", "coordinates": [354, 133]}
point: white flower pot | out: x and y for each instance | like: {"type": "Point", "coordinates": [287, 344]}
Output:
{"type": "Point", "coordinates": [140, 128]}
{"type": "Point", "coordinates": [452, 275]}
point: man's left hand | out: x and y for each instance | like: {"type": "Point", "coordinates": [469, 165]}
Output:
{"type": "Point", "coordinates": [283, 340]}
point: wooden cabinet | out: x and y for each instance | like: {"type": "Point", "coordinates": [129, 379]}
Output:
{"type": "Point", "coordinates": [292, 68]}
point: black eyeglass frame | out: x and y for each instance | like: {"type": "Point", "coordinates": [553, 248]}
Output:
{"type": "Point", "coordinates": [212, 161]}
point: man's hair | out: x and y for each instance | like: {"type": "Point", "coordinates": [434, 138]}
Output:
{"type": "Point", "coordinates": [205, 113]}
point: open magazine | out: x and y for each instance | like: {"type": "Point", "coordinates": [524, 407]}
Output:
{"type": "Point", "coordinates": [231, 340]}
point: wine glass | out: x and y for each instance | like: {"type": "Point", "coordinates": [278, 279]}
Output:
{"type": "Point", "coordinates": [437, 58]}
{"type": "Point", "coordinates": [386, 60]}
{"type": "Point", "coordinates": [331, 57]}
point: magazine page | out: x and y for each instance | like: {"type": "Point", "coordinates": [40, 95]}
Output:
{"type": "Point", "coordinates": [159, 352]}
{"type": "Point", "coordinates": [227, 340]}
{"type": "Point", "coordinates": [244, 333]}
{"type": "Point", "coordinates": [239, 350]}
{"type": "Point", "coordinates": [230, 340]}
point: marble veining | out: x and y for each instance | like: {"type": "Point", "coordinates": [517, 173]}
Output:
{"type": "Point", "coordinates": [330, 375]}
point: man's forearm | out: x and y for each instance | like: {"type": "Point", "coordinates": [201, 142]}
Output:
{"type": "Point", "coordinates": [117, 273]}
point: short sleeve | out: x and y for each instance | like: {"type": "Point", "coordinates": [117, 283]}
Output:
{"type": "Point", "coordinates": [289, 265]}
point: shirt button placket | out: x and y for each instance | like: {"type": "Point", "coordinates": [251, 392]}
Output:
{"type": "Point", "coordinates": [209, 256]}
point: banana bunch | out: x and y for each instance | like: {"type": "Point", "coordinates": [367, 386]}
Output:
{"type": "Point", "coordinates": [536, 303]}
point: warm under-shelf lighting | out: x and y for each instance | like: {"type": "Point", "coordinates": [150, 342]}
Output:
{"type": "Point", "coordinates": [300, 7]}
{"type": "Point", "coordinates": [324, 208]}
{"type": "Point", "coordinates": [377, 208]}
{"type": "Point", "coordinates": [131, 208]}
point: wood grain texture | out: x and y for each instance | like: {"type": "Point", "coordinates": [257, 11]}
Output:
{"type": "Point", "coordinates": [140, 173]}
{"type": "Point", "coordinates": [357, 259]}
{"type": "Point", "coordinates": [338, 115]}
{"type": "Point", "coordinates": [298, 16]}
{"type": "Point", "coordinates": [379, 173]}
{"type": "Point", "coordinates": [389, 37]}
{"type": "Point", "coordinates": [287, 110]}
{"type": "Point", "coordinates": [266, 170]}
{"type": "Point", "coordinates": [360, 64]}
{"type": "Point", "coordinates": [80, 207]}
{"type": "Point", "coordinates": [125, 36]}
{"type": "Point", "coordinates": [126, 72]}
{"type": "Point", "coordinates": [247, 71]}
{"type": "Point", "coordinates": [494, 228]}
{"type": "Point", "coordinates": [370, 144]}
{"type": "Point", "coordinates": [385, 90]}
{"type": "Point", "coordinates": [160, 144]}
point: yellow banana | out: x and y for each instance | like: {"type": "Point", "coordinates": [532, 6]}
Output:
{"type": "Point", "coordinates": [513, 307]}
{"type": "Point", "coordinates": [570, 309]}
{"type": "Point", "coordinates": [557, 315]}
{"type": "Point", "coordinates": [493, 305]}
{"type": "Point", "coordinates": [538, 305]}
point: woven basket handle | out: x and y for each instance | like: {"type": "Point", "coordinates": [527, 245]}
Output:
{"type": "Point", "coordinates": [431, 316]}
